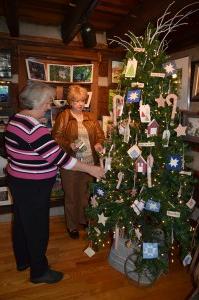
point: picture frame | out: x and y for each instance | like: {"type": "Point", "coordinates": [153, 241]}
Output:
{"type": "Point", "coordinates": [184, 66]}
{"type": "Point", "coordinates": [5, 63]}
{"type": "Point", "coordinates": [5, 196]}
{"type": "Point", "coordinates": [4, 93]}
{"type": "Point", "coordinates": [59, 73]}
{"type": "Point", "coordinates": [36, 70]}
{"type": "Point", "coordinates": [195, 82]}
{"type": "Point", "coordinates": [82, 73]}
{"type": "Point", "coordinates": [88, 102]}
{"type": "Point", "coordinates": [116, 70]}
{"type": "Point", "coordinates": [191, 120]}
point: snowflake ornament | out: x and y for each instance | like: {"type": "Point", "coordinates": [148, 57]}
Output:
{"type": "Point", "coordinates": [170, 68]}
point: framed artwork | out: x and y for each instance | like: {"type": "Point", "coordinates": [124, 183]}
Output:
{"type": "Point", "coordinates": [59, 73]}
{"type": "Point", "coordinates": [184, 66]}
{"type": "Point", "coordinates": [5, 63]}
{"type": "Point", "coordinates": [82, 73]}
{"type": "Point", "coordinates": [88, 102]}
{"type": "Point", "coordinates": [36, 70]}
{"type": "Point", "coordinates": [195, 87]}
{"type": "Point", "coordinates": [5, 197]}
{"type": "Point", "coordinates": [4, 94]}
{"type": "Point", "coordinates": [191, 120]}
{"type": "Point", "coordinates": [117, 68]}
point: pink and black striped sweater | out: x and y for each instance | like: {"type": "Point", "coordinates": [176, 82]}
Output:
{"type": "Point", "coordinates": [32, 153]}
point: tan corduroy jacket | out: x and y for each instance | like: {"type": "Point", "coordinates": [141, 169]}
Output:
{"type": "Point", "coordinates": [65, 131]}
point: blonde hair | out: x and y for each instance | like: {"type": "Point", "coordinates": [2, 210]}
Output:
{"type": "Point", "coordinates": [76, 93]}
{"type": "Point", "coordinates": [34, 94]}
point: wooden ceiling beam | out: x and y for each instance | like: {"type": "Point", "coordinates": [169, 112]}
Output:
{"type": "Point", "coordinates": [11, 16]}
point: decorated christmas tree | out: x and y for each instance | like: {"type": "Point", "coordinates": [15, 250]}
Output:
{"type": "Point", "coordinates": [146, 195]}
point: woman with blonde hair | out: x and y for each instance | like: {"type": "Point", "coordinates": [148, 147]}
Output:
{"type": "Point", "coordinates": [78, 133]}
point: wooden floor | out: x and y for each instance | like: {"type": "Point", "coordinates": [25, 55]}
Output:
{"type": "Point", "coordinates": [85, 278]}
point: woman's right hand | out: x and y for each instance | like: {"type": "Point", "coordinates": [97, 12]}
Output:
{"type": "Point", "coordinates": [96, 172]}
{"type": "Point", "coordinates": [73, 146]}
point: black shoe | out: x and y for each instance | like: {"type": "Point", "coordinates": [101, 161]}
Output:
{"type": "Point", "coordinates": [23, 267]}
{"type": "Point", "coordinates": [50, 276]}
{"type": "Point", "coordinates": [74, 234]}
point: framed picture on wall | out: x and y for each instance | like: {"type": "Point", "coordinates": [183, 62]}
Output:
{"type": "Point", "coordinates": [191, 120]}
{"type": "Point", "coordinates": [117, 68]}
{"type": "Point", "coordinates": [4, 94]}
{"type": "Point", "coordinates": [82, 73]}
{"type": "Point", "coordinates": [183, 66]}
{"type": "Point", "coordinates": [5, 63]}
{"type": "Point", "coordinates": [36, 70]}
{"type": "Point", "coordinates": [59, 73]}
{"type": "Point", "coordinates": [195, 87]}
{"type": "Point", "coordinates": [88, 102]}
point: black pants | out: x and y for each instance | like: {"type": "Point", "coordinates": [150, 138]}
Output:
{"type": "Point", "coordinates": [31, 222]}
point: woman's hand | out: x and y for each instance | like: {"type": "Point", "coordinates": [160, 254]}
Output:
{"type": "Point", "coordinates": [98, 148]}
{"type": "Point", "coordinates": [73, 146]}
{"type": "Point", "coordinates": [96, 172]}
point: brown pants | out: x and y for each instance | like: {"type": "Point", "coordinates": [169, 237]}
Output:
{"type": "Point", "coordinates": [75, 185]}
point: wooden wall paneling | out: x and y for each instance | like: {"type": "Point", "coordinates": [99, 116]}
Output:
{"type": "Point", "coordinates": [103, 101]}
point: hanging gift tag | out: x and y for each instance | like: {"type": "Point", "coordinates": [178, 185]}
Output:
{"type": "Point", "coordinates": [191, 203]}
{"type": "Point", "coordinates": [145, 114]}
{"type": "Point", "coordinates": [138, 206]}
{"type": "Point", "coordinates": [165, 137]}
{"type": "Point", "coordinates": [150, 161]}
{"type": "Point", "coordinates": [138, 233]}
{"type": "Point", "coordinates": [134, 152]}
{"type": "Point", "coordinates": [187, 260]}
{"type": "Point", "coordinates": [156, 74]}
{"type": "Point", "coordinates": [118, 104]}
{"type": "Point", "coordinates": [127, 130]}
{"type": "Point", "coordinates": [116, 236]}
{"type": "Point", "coordinates": [89, 251]}
{"type": "Point", "coordinates": [174, 214]}
{"type": "Point", "coordinates": [120, 177]}
{"type": "Point", "coordinates": [131, 68]}
{"type": "Point", "coordinates": [107, 166]}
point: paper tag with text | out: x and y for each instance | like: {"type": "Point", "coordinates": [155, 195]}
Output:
{"type": "Point", "coordinates": [89, 251]}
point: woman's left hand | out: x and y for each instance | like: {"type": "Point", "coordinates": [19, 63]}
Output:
{"type": "Point", "coordinates": [98, 148]}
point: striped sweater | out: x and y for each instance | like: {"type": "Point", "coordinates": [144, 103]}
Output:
{"type": "Point", "coordinates": [32, 153]}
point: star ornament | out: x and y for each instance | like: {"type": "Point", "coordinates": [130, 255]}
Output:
{"type": "Point", "coordinates": [133, 96]}
{"type": "Point", "coordinates": [170, 68]}
{"type": "Point", "coordinates": [180, 130]}
{"type": "Point", "coordinates": [174, 163]}
{"type": "Point", "coordinates": [160, 101]}
{"type": "Point", "coordinates": [102, 219]}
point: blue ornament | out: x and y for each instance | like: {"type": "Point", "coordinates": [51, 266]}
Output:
{"type": "Point", "coordinates": [98, 190]}
{"type": "Point", "coordinates": [133, 96]}
{"type": "Point", "coordinates": [174, 162]}
{"type": "Point", "coordinates": [152, 205]}
{"type": "Point", "coordinates": [150, 250]}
